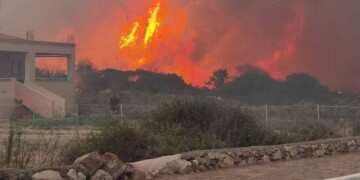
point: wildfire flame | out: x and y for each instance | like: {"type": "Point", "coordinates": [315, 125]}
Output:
{"type": "Point", "coordinates": [153, 24]}
{"type": "Point", "coordinates": [130, 39]}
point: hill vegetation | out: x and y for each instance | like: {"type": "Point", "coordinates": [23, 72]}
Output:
{"type": "Point", "coordinates": [252, 86]}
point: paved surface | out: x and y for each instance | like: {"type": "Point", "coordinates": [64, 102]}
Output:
{"type": "Point", "coordinates": [315, 168]}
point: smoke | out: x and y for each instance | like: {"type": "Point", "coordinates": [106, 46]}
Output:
{"type": "Point", "coordinates": [320, 37]}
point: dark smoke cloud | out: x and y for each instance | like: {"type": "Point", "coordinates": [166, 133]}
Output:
{"type": "Point", "coordinates": [229, 33]}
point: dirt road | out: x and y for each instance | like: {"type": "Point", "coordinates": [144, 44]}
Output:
{"type": "Point", "coordinates": [315, 168]}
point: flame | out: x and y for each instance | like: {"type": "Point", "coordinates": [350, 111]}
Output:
{"type": "Point", "coordinates": [133, 78]}
{"type": "Point", "coordinates": [130, 39]}
{"type": "Point", "coordinates": [153, 24]}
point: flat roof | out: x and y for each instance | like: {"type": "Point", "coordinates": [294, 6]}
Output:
{"type": "Point", "coordinates": [8, 38]}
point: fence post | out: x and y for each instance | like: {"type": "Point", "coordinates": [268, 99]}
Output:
{"type": "Point", "coordinates": [318, 112]}
{"type": "Point", "coordinates": [266, 118]}
{"type": "Point", "coordinates": [121, 114]}
{"type": "Point", "coordinates": [33, 112]}
{"type": "Point", "coordinates": [77, 115]}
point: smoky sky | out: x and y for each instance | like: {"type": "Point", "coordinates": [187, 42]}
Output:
{"type": "Point", "coordinates": [229, 33]}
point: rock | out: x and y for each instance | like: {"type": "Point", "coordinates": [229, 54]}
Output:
{"type": "Point", "coordinates": [194, 165]}
{"type": "Point", "coordinates": [246, 154]}
{"type": "Point", "coordinates": [287, 148]}
{"type": "Point", "coordinates": [353, 148]}
{"type": "Point", "coordinates": [331, 147]}
{"type": "Point", "coordinates": [293, 152]}
{"type": "Point", "coordinates": [276, 155]}
{"type": "Point", "coordinates": [242, 164]}
{"type": "Point", "coordinates": [81, 176]}
{"type": "Point", "coordinates": [81, 168]}
{"type": "Point", "coordinates": [315, 146]}
{"type": "Point", "coordinates": [207, 161]}
{"type": "Point", "coordinates": [123, 177]}
{"type": "Point", "coordinates": [262, 152]}
{"type": "Point", "coordinates": [47, 175]}
{"type": "Point", "coordinates": [341, 148]}
{"type": "Point", "coordinates": [213, 162]}
{"type": "Point", "coordinates": [231, 154]}
{"type": "Point", "coordinates": [237, 159]}
{"type": "Point", "coordinates": [138, 175]}
{"type": "Point", "coordinates": [92, 161]}
{"type": "Point", "coordinates": [227, 162]}
{"type": "Point", "coordinates": [202, 168]}
{"type": "Point", "coordinates": [320, 152]}
{"type": "Point", "coordinates": [255, 153]}
{"type": "Point", "coordinates": [251, 161]}
{"type": "Point", "coordinates": [324, 146]}
{"type": "Point", "coordinates": [201, 161]}
{"type": "Point", "coordinates": [266, 159]}
{"type": "Point", "coordinates": [113, 165]}
{"type": "Point", "coordinates": [101, 175]}
{"type": "Point", "coordinates": [177, 166]}
{"type": "Point", "coordinates": [216, 155]}
{"type": "Point", "coordinates": [73, 175]}
{"type": "Point", "coordinates": [268, 151]}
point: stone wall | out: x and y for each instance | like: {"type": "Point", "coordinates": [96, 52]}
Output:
{"type": "Point", "coordinates": [95, 166]}
{"type": "Point", "coordinates": [205, 160]}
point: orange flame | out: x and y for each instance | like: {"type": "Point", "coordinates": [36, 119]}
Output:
{"type": "Point", "coordinates": [130, 39]}
{"type": "Point", "coordinates": [153, 24]}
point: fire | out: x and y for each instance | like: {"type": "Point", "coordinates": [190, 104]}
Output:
{"type": "Point", "coordinates": [130, 39]}
{"type": "Point", "coordinates": [133, 78]}
{"type": "Point", "coordinates": [153, 24]}
{"type": "Point", "coordinates": [292, 32]}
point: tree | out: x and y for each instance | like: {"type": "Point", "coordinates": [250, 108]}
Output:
{"type": "Point", "coordinates": [88, 77]}
{"type": "Point", "coordinates": [218, 78]}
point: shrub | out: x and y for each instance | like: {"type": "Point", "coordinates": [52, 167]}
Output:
{"type": "Point", "coordinates": [312, 130]}
{"type": "Point", "coordinates": [202, 123]}
{"type": "Point", "coordinates": [129, 144]}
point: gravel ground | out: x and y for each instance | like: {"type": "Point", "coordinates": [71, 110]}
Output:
{"type": "Point", "coordinates": [314, 168]}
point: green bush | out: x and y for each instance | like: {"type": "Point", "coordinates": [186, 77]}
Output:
{"type": "Point", "coordinates": [129, 144]}
{"type": "Point", "coordinates": [312, 130]}
{"type": "Point", "coordinates": [204, 123]}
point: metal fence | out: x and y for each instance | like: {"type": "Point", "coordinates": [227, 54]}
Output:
{"type": "Point", "coordinates": [268, 116]}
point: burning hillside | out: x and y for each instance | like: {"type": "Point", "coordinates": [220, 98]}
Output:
{"type": "Point", "coordinates": [195, 38]}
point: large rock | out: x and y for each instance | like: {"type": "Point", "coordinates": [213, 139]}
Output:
{"type": "Point", "coordinates": [92, 161]}
{"type": "Point", "coordinates": [216, 155]}
{"type": "Point", "coordinates": [101, 175]}
{"type": "Point", "coordinates": [47, 175]}
{"type": "Point", "coordinates": [266, 159]}
{"type": "Point", "coordinates": [276, 155]}
{"type": "Point", "coordinates": [227, 162]}
{"type": "Point", "coordinates": [113, 165]}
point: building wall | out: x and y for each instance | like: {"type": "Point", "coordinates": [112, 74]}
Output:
{"type": "Point", "coordinates": [64, 89]}
{"type": "Point", "coordinates": [7, 98]}
{"type": "Point", "coordinates": [12, 65]}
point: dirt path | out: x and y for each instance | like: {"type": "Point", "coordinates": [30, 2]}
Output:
{"type": "Point", "coordinates": [316, 168]}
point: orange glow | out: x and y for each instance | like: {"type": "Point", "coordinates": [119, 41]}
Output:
{"type": "Point", "coordinates": [134, 78]}
{"type": "Point", "coordinates": [292, 32]}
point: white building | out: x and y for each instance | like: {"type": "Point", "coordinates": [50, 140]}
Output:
{"type": "Point", "coordinates": [47, 97]}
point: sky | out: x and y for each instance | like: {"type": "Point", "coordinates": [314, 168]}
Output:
{"type": "Point", "coordinates": [196, 37]}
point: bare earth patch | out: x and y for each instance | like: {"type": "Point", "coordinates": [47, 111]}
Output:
{"type": "Point", "coordinates": [314, 168]}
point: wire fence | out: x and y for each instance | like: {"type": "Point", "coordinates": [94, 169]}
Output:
{"type": "Point", "coordinates": [271, 117]}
